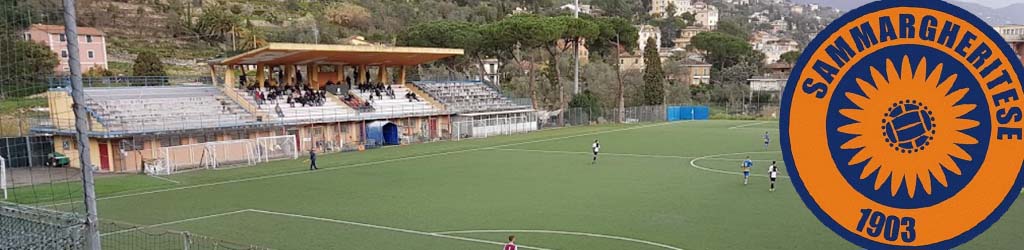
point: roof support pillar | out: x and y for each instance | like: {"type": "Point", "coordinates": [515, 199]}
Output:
{"type": "Point", "coordinates": [229, 77]}
{"type": "Point", "coordinates": [382, 74]}
{"type": "Point", "coordinates": [401, 75]}
{"type": "Point", "coordinates": [314, 75]}
{"type": "Point", "coordinates": [362, 74]}
{"type": "Point", "coordinates": [289, 75]}
{"type": "Point", "coordinates": [261, 75]}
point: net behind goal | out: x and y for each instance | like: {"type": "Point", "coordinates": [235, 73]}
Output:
{"type": "Point", "coordinates": [213, 155]}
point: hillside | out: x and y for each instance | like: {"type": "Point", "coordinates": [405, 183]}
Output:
{"type": "Point", "coordinates": [993, 15]}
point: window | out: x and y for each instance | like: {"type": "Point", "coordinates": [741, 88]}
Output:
{"type": "Point", "coordinates": [28, 36]}
{"type": "Point", "coordinates": [170, 141]}
{"type": "Point", "coordinates": [206, 138]}
{"type": "Point", "coordinates": [133, 144]}
{"type": "Point", "coordinates": [238, 135]}
{"type": "Point", "coordinates": [63, 38]}
{"type": "Point", "coordinates": [64, 54]}
{"type": "Point", "coordinates": [92, 54]}
{"type": "Point", "coordinates": [88, 38]}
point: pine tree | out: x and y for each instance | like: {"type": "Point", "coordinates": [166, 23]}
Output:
{"type": "Point", "coordinates": [148, 64]}
{"type": "Point", "coordinates": [654, 76]}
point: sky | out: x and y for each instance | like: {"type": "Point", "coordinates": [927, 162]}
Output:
{"type": "Point", "coordinates": [994, 3]}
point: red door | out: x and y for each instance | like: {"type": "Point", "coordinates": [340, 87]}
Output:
{"type": "Point", "coordinates": [433, 128]}
{"type": "Point", "coordinates": [104, 156]}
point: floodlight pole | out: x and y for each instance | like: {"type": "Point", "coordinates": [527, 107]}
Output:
{"type": "Point", "coordinates": [92, 237]}
{"type": "Point", "coordinates": [576, 80]}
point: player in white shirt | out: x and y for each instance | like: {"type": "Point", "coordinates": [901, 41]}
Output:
{"type": "Point", "coordinates": [773, 173]}
{"type": "Point", "coordinates": [597, 147]}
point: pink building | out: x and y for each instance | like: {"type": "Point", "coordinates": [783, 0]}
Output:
{"type": "Point", "coordinates": [92, 45]}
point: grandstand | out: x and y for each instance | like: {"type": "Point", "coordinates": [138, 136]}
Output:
{"type": "Point", "coordinates": [132, 128]}
{"type": "Point", "coordinates": [142, 109]}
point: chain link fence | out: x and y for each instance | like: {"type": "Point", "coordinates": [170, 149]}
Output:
{"type": "Point", "coordinates": [125, 236]}
{"type": "Point", "coordinates": [23, 227]}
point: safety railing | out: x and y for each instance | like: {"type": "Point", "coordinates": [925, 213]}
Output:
{"type": "Point", "coordinates": [132, 81]}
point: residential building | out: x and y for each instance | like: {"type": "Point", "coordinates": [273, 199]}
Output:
{"type": "Point", "coordinates": [1013, 34]}
{"type": "Point", "coordinates": [772, 46]}
{"type": "Point", "coordinates": [646, 32]}
{"type": "Point", "coordinates": [705, 15]}
{"type": "Point", "coordinates": [686, 34]}
{"type": "Point", "coordinates": [92, 45]}
{"type": "Point", "coordinates": [584, 52]}
{"type": "Point", "coordinates": [780, 25]}
{"type": "Point", "coordinates": [696, 72]}
{"type": "Point", "coordinates": [584, 8]}
{"type": "Point", "coordinates": [492, 71]}
{"type": "Point", "coordinates": [660, 7]}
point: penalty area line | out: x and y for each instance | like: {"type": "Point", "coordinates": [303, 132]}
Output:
{"type": "Point", "coordinates": [394, 229]}
{"type": "Point", "coordinates": [613, 237]}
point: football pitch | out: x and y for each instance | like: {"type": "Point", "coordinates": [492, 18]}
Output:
{"type": "Point", "coordinates": [655, 186]}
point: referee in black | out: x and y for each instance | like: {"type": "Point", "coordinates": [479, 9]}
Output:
{"type": "Point", "coordinates": [312, 159]}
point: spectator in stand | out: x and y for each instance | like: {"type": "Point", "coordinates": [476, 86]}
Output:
{"type": "Point", "coordinates": [280, 112]}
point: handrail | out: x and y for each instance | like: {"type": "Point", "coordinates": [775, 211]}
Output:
{"type": "Point", "coordinates": [233, 95]}
{"type": "Point", "coordinates": [426, 96]}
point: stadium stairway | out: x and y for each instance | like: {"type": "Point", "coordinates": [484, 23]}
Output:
{"type": "Point", "coordinates": [424, 96]}
{"type": "Point", "coordinates": [165, 108]}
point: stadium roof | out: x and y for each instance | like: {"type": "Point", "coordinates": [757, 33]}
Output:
{"type": "Point", "coordinates": [299, 53]}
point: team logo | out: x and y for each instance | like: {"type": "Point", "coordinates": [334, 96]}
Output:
{"type": "Point", "coordinates": [902, 124]}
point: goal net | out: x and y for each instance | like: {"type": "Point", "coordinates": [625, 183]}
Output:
{"type": "Point", "coordinates": [213, 155]}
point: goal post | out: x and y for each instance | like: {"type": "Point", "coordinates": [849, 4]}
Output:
{"type": "Point", "coordinates": [276, 147]}
{"type": "Point", "coordinates": [3, 176]}
{"type": "Point", "coordinates": [212, 155]}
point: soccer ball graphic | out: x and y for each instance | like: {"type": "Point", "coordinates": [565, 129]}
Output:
{"type": "Point", "coordinates": [909, 126]}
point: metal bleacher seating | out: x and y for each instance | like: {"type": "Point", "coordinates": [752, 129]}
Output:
{"type": "Point", "coordinates": [398, 106]}
{"type": "Point", "coordinates": [468, 96]}
{"type": "Point", "coordinates": [330, 110]}
{"type": "Point", "coordinates": [164, 108]}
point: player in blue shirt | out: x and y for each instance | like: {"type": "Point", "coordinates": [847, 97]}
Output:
{"type": "Point", "coordinates": [747, 164]}
{"type": "Point", "coordinates": [767, 140]}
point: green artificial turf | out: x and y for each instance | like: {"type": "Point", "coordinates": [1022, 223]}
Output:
{"type": "Point", "coordinates": [644, 193]}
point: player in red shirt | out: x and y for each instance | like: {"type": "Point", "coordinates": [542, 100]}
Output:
{"type": "Point", "coordinates": [511, 245]}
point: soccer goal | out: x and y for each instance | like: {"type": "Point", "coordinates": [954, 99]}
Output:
{"type": "Point", "coordinates": [212, 155]}
{"type": "Point", "coordinates": [3, 176]}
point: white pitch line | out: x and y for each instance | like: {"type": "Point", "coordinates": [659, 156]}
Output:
{"type": "Point", "coordinates": [749, 125]}
{"type": "Point", "coordinates": [563, 233]}
{"type": "Point", "coordinates": [693, 163]}
{"type": "Point", "coordinates": [589, 153]}
{"type": "Point", "coordinates": [176, 222]}
{"type": "Point", "coordinates": [401, 230]}
{"type": "Point", "coordinates": [165, 179]}
{"type": "Point", "coordinates": [362, 164]}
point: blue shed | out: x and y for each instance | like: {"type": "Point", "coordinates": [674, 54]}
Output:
{"type": "Point", "coordinates": [382, 132]}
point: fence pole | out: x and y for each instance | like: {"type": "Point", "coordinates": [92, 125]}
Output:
{"type": "Point", "coordinates": [187, 240]}
{"type": "Point", "coordinates": [28, 145]}
{"type": "Point", "coordinates": [82, 125]}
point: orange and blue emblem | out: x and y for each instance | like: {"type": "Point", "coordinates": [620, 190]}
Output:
{"type": "Point", "coordinates": [903, 123]}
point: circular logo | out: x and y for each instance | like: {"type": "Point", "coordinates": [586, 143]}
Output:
{"type": "Point", "coordinates": [903, 122]}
